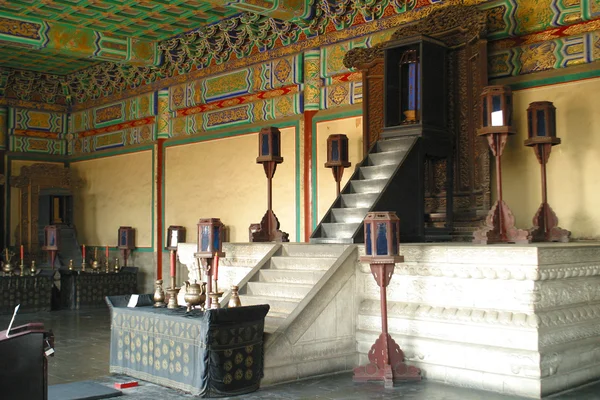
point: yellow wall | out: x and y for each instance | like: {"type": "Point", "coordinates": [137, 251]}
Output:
{"type": "Point", "coordinates": [117, 192]}
{"type": "Point", "coordinates": [220, 178]}
{"type": "Point", "coordinates": [16, 166]}
{"type": "Point", "coordinates": [573, 179]}
{"type": "Point", "coordinates": [351, 127]}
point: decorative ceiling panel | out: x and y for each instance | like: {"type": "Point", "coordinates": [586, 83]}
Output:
{"type": "Point", "coordinates": [48, 62]}
{"type": "Point", "coordinates": [144, 19]}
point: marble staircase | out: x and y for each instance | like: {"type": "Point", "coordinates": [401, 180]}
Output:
{"type": "Point", "coordinates": [343, 222]}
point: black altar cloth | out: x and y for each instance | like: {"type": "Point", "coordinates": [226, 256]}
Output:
{"type": "Point", "coordinates": [34, 293]}
{"type": "Point", "coordinates": [213, 353]}
{"type": "Point", "coordinates": [82, 290]}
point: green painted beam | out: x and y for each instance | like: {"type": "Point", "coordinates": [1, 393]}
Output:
{"type": "Point", "coordinates": [75, 42]}
{"type": "Point", "coordinates": [287, 10]}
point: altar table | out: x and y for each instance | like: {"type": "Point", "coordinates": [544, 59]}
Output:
{"type": "Point", "coordinates": [34, 293]}
{"type": "Point", "coordinates": [82, 290]}
{"type": "Point", "coordinates": [213, 353]}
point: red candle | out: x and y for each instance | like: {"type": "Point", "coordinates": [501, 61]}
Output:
{"type": "Point", "coordinates": [83, 252]}
{"type": "Point", "coordinates": [216, 272]}
{"type": "Point", "coordinates": [172, 263]}
{"type": "Point", "coordinates": [21, 252]}
{"type": "Point", "coordinates": [107, 252]}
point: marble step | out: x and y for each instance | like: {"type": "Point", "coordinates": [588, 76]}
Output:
{"type": "Point", "coordinates": [302, 263]}
{"type": "Point", "coordinates": [338, 229]}
{"type": "Point", "coordinates": [273, 320]}
{"type": "Point", "coordinates": [368, 185]}
{"type": "Point", "coordinates": [378, 171]}
{"type": "Point", "coordinates": [321, 240]}
{"type": "Point", "coordinates": [278, 304]}
{"type": "Point", "coordinates": [290, 276]}
{"type": "Point", "coordinates": [311, 251]}
{"type": "Point", "coordinates": [394, 144]}
{"type": "Point", "coordinates": [348, 215]}
{"type": "Point", "coordinates": [286, 290]}
{"type": "Point", "coordinates": [359, 200]}
{"type": "Point", "coordinates": [386, 157]}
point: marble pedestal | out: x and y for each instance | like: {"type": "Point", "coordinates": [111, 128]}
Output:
{"type": "Point", "coordinates": [515, 319]}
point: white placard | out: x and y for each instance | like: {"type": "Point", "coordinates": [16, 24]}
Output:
{"type": "Point", "coordinates": [12, 319]}
{"type": "Point", "coordinates": [174, 235]}
{"type": "Point", "coordinates": [133, 300]}
{"type": "Point", "coordinates": [497, 118]}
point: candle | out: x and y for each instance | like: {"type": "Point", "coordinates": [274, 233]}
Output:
{"type": "Point", "coordinates": [83, 252]}
{"type": "Point", "coordinates": [173, 263]}
{"type": "Point", "coordinates": [107, 252]}
{"type": "Point", "coordinates": [216, 272]}
{"type": "Point", "coordinates": [96, 253]}
{"type": "Point", "coordinates": [21, 252]}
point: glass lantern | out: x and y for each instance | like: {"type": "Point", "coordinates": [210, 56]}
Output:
{"type": "Point", "coordinates": [541, 123]}
{"type": "Point", "coordinates": [382, 237]}
{"type": "Point", "coordinates": [496, 110]}
{"type": "Point", "coordinates": [269, 145]}
{"type": "Point", "coordinates": [126, 239]}
{"type": "Point", "coordinates": [51, 237]}
{"type": "Point", "coordinates": [210, 237]}
{"type": "Point", "coordinates": [337, 151]}
{"type": "Point", "coordinates": [175, 235]}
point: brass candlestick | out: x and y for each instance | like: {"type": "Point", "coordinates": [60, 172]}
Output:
{"type": "Point", "coordinates": [33, 268]}
{"type": "Point", "coordinates": [214, 296]}
{"type": "Point", "coordinates": [95, 266]}
{"type": "Point", "coordinates": [117, 266]}
{"type": "Point", "coordinates": [107, 265]}
{"type": "Point", "coordinates": [71, 265]}
{"type": "Point", "coordinates": [83, 265]}
{"type": "Point", "coordinates": [22, 268]}
{"type": "Point", "coordinates": [172, 298]}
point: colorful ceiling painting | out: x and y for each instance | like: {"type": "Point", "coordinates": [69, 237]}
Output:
{"type": "Point", "coordinates": [48, 62]}
{"type": "Point", "coordinates": [200, 38]}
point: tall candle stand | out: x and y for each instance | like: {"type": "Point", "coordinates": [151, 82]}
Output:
{"type": "Point", "coordinates": [175, 235]}
{"type": "Point", "coordinates": [541, 122]}
{"type": "Point", "coordinates": [496, 122]}
{"type": "Point", "coordinates": [126, 242]}
{"type": "Point", "coordinates": [269, 155]}
{"type": "Point", "coordinates": [382, 231]}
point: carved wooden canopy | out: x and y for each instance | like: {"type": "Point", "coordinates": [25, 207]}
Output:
{"type": "Point", "coordinates": [48, 175]}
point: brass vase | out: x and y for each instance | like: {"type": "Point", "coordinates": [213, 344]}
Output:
{"type": "Point", "coordinates": [117, 266]}
{"type": "Point", "coordinates": [172, 298]}
{"type": "Point", "coordinates": [234, 300]}
{"type": "Point", "coordinates": [7, 268]}
{"type": "Point", "coordinates": [95, 266]}
{"type": "Point", "coordinates": [159, 294]}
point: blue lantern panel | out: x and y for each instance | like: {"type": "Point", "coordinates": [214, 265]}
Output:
{"type": "Point", "coordinates": [276, 145]}
{"type": "Point", "coordinates": [264, 151]}
{"type": "Point", "coordinates": [395, 240]}
{"type": "Point", "coordinates": [552, 123]}
{"type": "Point", "coordinates": [541, 123]}
{"type": "Point", "coordinates": [368, 239]}
{"type": "Point", "coordinates": [529, 123]}
{"type": "Point", "coordinates": [485, 113]}
{"type": "Point", "coordinates": [51, 238]}
{"type": "Point", "coordinates": [344, 152]}
{"type": "Point", "coordinates": [123, 238]}
{"type": "Point", "coordinates": [335, 151]}
{"type": "Point", "coordinates": [496, 103]}
{"type": "Point", "coordinates": [382, 248]}
{"type": "Point", "coordinates": [216, 238]}
{"type": "Point", "coordinates": [204, 232]}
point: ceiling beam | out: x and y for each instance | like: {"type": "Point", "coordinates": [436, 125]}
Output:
{"type": "Point", "coordinates": [77, 42]}
{"type": "Point", "coordinates": [287, 10]}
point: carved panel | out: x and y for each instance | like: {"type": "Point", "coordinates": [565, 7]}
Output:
{"type": "Point", "coordinates": [31, 181]}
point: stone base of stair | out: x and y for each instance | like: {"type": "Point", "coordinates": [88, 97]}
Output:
{"type": "Point", "coordinates": [519, 320]}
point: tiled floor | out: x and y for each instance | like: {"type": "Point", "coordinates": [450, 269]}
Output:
{"type": "Point", "coordinates": [82, 340]}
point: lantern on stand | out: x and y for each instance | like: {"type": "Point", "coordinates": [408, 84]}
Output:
{"type": "Point", "coordinates": [496, 125]}
{"type": "Point", "coordinates": [51, 242]}
{"type": "Point", "coordinates": [210, 242]}
{"type": "Point", "coordinates": [541, 135]}
{"type": "Point", "coordinates": [175, 235]}
{"type": "Point", "coordinates": [382, 236]}
{"type": "Point", "coordinates": [126, 242]}
{"type": "Point", "coordinates": [337, 157]}
{"type": "Point", "coordinates": [269, 155]}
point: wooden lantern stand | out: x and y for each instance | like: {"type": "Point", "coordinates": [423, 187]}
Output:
{"type": "Point", "coordinates": [386, 359]}
{"type": "Point", "coordinates": [541, 117]}
{"type": "Point", "coordinates": [496, 125]}
{"type": "Point", "coordinates": [126, 242]}
{"type": "Point", "coordinates": [337, 158]}
{"type": "Point", "coordinates": [269, 156]}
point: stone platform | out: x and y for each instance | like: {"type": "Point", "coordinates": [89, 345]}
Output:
{"type": "Point", "coordinates": [514, 319]}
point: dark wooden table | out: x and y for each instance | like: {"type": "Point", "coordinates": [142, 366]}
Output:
{"type": "Point", "coordinates": [81, 290]}
{"type": "Point", "coordinates": [33, 293]}
{"type": "Point", "coordinates": [213, 353]}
